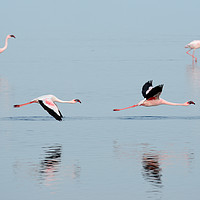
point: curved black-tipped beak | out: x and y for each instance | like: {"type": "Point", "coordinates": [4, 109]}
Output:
{"type": "Point", "coordinates": [191, 102]}
{"type": "Point", "coordinates": [77, 100]}
{"type": "Point", "coordinates": [12, 36]}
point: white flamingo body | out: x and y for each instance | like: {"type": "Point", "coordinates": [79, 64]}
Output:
{"type": "Point", "coordinates": [6, 43]}
{"type": "Point", "coordinates": [157, 102]}
{"type": "Point", "coordinates": [152, 97]}
{"type": "Point", "coordinates": [195, 44]}
{"type": "Point", "coordinates": [48, 103]}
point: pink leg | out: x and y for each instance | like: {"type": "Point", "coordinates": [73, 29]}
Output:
{"type": "Point", "coordinates": [20, 105]}
{"type": "Point", "coordinates": [192, 54]}
{"type": "Point", "coordinates": [125, 108]}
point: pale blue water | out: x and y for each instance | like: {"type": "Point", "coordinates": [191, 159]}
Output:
{"type": "Point", "coordinates": [101, 53]}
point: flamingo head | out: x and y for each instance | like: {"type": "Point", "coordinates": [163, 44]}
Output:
{"type": "Point", "coordinates": [12, 36]}
{"type": "Point", "coordinates": [190, 102]}
{"type": "Point", "coordinates": [77, 100]}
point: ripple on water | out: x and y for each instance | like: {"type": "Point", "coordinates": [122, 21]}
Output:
{"type": "Point", "coordinates": [160, 118]}
{"type": "Point", "coordinates": [49, 118]}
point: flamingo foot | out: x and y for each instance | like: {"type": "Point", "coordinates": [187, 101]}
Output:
{"type": "Point", "coordinates": [16, 106]}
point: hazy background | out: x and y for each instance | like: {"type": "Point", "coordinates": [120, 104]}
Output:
{"type": "Point", "coordinates": [101, 52]}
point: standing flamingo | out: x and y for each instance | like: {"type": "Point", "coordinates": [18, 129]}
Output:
{"type": "Point", "coordinates": [193, 45]}
{"type": "Point", "coordinates": [6, 43]}
{"type": "Point", "coordinates": [47, 102]}
{"type": "Point", "coordinates": [151, 95]}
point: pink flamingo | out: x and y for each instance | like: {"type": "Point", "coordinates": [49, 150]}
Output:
{"type": "Point", "coordinates": [193, 45]}
{"type": "Point", "coordinates": [151, 95]}
{"type": "Point", "coordinates": [6, 43]}
{"type": "Point", "coordinates": [47, 102]}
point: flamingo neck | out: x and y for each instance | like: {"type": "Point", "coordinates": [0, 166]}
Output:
{"type": "Point", "coordinates": [5, 46]}
{"type": "Point", "coordinates": [61, 101]}
{"type": "Point", "coordinates": [173, 104]}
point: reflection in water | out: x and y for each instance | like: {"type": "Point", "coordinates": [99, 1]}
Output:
{"type": "Point", "coordinates": [152, 169]}
{"type": "Point", "coordinates": [152, 172]}
{"type": "Point", "coordinates": [4, 96]}
{"type": "Point", "coordinates": [4, 86]}
{"type": "Point", "coordinates": [51, 169]}
{"type": "Point", "coordinates": [193, 72]}
{"type": "Point", "coordinates": [153, 162]}
{"type": "Point", "coordinates": [49, 166]}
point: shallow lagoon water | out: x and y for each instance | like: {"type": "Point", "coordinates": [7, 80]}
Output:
{"type": "Point", "coordinates": [116, 157]}
{"type": "Point", "coordinates": [95, 153]}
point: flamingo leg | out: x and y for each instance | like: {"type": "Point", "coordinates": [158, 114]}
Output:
{"type": "Point", "coordinates": [125, 108]}
{"type": "Point", "coordinates": [192, 54]}
{"type": "Point", "coordinates": [20, 105]}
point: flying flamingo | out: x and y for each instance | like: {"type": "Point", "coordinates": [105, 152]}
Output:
{"type": "Point", "coordinates": [47, 102]}
{"type": "Point", "coordinates": [151, 95]}
{"type": "Point", "coordinates": [193, 45]}
{"type": "Point", "coordinates": [6, 43]}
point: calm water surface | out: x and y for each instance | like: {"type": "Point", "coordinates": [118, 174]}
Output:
{"type": "Point", "coordinates": [95, 153]}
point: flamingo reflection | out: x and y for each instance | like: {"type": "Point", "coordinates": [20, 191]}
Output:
{"type": "Point", "coordinates": [151, 168]}
{"type": "Point", "coordinates": [49, 166]}
{"type": "Point", "coordinates": [5, 98]}
{"type": "Point", "coordinates": [51, 169]}
{"type": "Point", "coordinates": [193, 72]}
{"type": "Point", "coordinates": [152, 173]}
{"type": "Point", "coordinates": [153, 162]}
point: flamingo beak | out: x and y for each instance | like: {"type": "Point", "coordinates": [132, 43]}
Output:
{"type": "Point", "coordinates": [191, 102]}
{"type": "Point", "coordinates": [77, 100]}
{"type": "Point", "coordinates": [12, 36]}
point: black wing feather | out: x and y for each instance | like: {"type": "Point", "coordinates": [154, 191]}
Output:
{"type": "Point", "coordinates": [51, 112]}
{"type": "Point", "coordinates": [156, 91]}
{"type": "Point", "coordinates": [145, 87]}
{"type": "Point", "coordinates": [60, 114]}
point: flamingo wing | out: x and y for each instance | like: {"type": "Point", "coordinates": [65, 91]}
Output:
{"type": "Point", "coordinates": [154, 92]}
{"type": "Point", "coordinates": [146, 88]}
{"type": "Point", "coordinates": [51, 108]}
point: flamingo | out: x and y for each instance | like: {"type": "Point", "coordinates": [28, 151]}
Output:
{"type": "Point", "coordinates": [6, 43]}
{"type": "Point", "coordinates": [152, 97]}
{"type": "Point", "coordinates": [47, 102]}
{"type": "Point", "coordinates": [193, 45]}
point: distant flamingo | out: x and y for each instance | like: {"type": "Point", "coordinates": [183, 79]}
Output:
{"type": "Point", "coordinates": [151, 95]}
{"type": "Point", "coordinates": [6, 43]}
{"type": "Point", "coordinates": [193, 45]}
{"type": "Point", "coordinates": [47, 102]}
